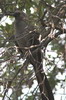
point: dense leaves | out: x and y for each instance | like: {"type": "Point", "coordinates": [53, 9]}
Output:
{"type": "Point", "coordinates": [49, 17]}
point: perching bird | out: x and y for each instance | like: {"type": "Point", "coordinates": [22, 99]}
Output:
{"type": "Point", "coordinates": [26, 36]}
{"type": "Point", "coordinates": [25, 33]}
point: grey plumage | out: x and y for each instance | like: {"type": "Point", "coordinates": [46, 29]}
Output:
{"type": "Point", "coordinates": [26, 36]}
{"type": "Point", "coordinates": [25, 32]}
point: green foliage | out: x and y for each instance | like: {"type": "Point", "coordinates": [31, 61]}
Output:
{"type": "Point", "coordinates": [10, 61]}
{"type": "Point", "coordinates": [50, 1]}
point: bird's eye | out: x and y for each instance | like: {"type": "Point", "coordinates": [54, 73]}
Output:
{"type": "Point", "coordinates": [16, 14]}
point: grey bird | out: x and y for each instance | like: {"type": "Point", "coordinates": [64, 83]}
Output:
{"type": "Point", "coordinates": [26, 36]}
